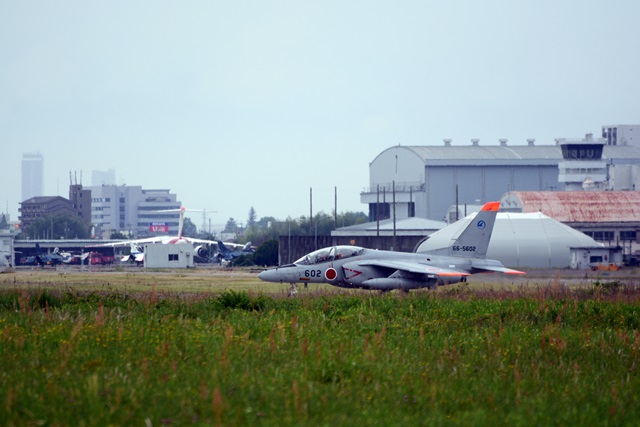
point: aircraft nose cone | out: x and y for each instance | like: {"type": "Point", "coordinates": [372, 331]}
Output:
{"type": "Point", "coordinates": [268, 275]}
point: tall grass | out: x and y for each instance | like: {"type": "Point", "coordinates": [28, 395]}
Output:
{"type": "Point", "coordinates": [541, 356]}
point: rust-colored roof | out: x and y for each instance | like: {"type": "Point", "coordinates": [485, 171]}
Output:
{"type": "Point", "coordinates": [583, 206]}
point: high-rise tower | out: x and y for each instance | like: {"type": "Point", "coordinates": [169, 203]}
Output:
{"type": "Point", "coordinates": [32, 175]}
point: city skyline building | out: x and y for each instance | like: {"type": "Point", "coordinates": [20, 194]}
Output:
{"type": "Point", "coordinates": [134, 211]}
{"type": "Point", "coordinates": [32, 175]}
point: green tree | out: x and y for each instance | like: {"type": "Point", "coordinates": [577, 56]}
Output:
{"type": "Point", "coordinates": [118, 235]}
{"type": "Point", "coordinates": [245, 260]}
{"type": "Point", "coordinates": [207, 236]}
{"type": "Point", "coordinates": [4, 224]}
{"type": "Point", "coordinates": [268, 228]}
{"type": "Point", "coordinates": [231, 226]}
{"type": "Point", "coordinates": [346, 219]}
{"type": "Point", "coordinates": [58, 227]}
{"type": "Point", "coordinates": [251, 219]}
{"type": "Point", "coordinates": [189, 228]}
{"type": "Point", "coordinates": [267, 253]}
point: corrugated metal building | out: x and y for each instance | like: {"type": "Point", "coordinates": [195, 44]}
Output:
{"type": "Point", "coordinates": [610, 217]}
{"type": "Point", "coordinates": [403, 227]}
{"type": "Point", "coordinates": [426, 180]}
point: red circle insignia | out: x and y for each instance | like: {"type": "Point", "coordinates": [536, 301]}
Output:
{"type": "Point", "coordinates": [330, 274]}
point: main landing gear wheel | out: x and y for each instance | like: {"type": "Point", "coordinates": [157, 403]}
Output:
{"type": "Point", "coordinates": [292, 289]}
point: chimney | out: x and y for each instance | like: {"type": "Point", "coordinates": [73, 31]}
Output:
{"type": "Point", "coordinates": [503, 142]}
{"type": "Point", "coordinates": [530, 142]}
{"type": "Point", "coordinates": [447, 142]}
{"type": "Point", "coordinates": [475, 142]}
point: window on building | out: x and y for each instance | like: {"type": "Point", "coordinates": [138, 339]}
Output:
{"type": "Point", "coordinates": [628, 235]}
{"type": "Point", "coordinates": [603, 236]}
{"type": "Point", "coordinates": [379, 211]}
{"type": "Point", "coordinates": [412, 210]}
{"type": "Point", "coordinates": [173, 257]}
{"type": "Point", "coordinates": [581, 151]}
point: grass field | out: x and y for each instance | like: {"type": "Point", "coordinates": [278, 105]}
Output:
{"type": "Point", "coordinates": [220, 348]}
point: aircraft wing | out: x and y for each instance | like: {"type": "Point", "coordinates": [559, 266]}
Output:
{"type": "Point", "coordinates": [136, 242]}
{"type": "Point", "coordinates": [505, 270]}
{"type": "Point", "coordinates": [413, 267]}
{"type": "Point", "coordinates": [160, 239]}
{"type": "Point", "coordinates": [492, 266]}
{"type": "Point", "coordinates": [214, 243]}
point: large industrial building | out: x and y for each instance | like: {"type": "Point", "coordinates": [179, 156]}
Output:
{"type": "Point", "coordinates": [425, 181]}
{"type": "Point", "coordinates": [36, 208]}
{"type": "Point", "coordinates": [609, 217]}
{"type": "Point", "coordinates": [133, 211]}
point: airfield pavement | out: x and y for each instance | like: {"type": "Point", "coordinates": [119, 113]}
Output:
{"type": "Point", "coordinates": [214, 278]}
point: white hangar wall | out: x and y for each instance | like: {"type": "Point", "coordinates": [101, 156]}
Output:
{"type": "Point", "coordinates": [426, 177]}
{"type": "Point", "coordinates": [403, 163]}
{"type": "Point", "coordinates": [480, 184]}
{"type": "Point", "coordinates": [522, 240]}
{"type": "Point", "coordinates": [404, 167]}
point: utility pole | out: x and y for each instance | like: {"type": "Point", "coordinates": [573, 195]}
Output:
{"type": "Point", "coordinates": [310, 209]}
{"type": "Point", "coordinates": [335, 208]}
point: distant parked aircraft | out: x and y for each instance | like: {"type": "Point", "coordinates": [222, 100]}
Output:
{"type": "Point", "coordinates": [226, 254]}
{"type": "Point", "coordinates": [42, 258]}
{"type": "Point", "coordinates": [201, 246]}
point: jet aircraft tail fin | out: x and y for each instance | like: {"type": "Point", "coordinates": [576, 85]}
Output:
{"type": "Point", "coordinates": [222, 248]}
{"type": "Point", "coordinates": [474, 240]}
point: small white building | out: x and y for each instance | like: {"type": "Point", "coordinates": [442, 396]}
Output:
{"type": "Point", "coordinates": [7, 253]}
{"type": "Point", "coordinates": [596, 257]}
{"type": "Point", "coordinates": [157, 255]}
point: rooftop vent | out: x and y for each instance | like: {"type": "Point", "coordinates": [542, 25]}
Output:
{"type": "Point", "coordinates": [503, 142]}
{"type": "Point", "coordinates": [475, 142]}
{"type": "Point", "coordinates": [531, 142]}
{"type": "Point", "coordinates": [447, 142]}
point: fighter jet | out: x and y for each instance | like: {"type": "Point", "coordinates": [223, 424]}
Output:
{"type": "Point", "coordinates": [225, 254]}
{"type": "Point", "coordinates": [357, 267]}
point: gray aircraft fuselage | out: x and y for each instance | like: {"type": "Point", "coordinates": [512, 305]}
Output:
{"type": "Point", "coordinates": [371, 269]}
{"type": "Point", "coordinates": [356, 267]}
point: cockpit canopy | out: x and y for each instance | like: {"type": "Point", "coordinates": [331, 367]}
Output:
{"type": "Point", "coordinates": [330, 254]}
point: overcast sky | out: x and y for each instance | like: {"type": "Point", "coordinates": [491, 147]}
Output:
{"type": "Point", "coordinates": [234, 104]}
